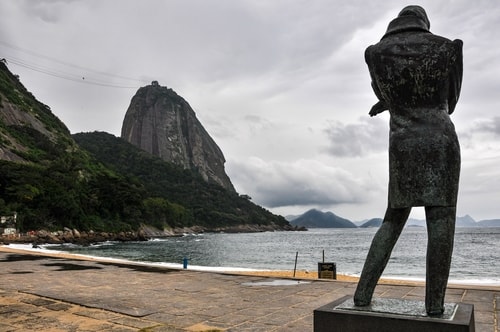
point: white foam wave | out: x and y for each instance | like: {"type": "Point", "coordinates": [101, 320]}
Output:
{"type": "Point", "coordinates": [43, 249]}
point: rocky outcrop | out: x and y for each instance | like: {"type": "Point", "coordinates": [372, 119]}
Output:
{"type": "Point", "coordinates": [162, 123]}
{"type": "Point", "coordinates": [74, 236]}
{"type": "Point", "coordinates": [145, 233]}
{"type": "Point", "coordinates": [151, 232]}
{"type": "Point", "coordinates": [26, 125]}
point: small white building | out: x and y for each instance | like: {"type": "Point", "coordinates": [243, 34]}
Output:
{"type": "Point", "coordinates": [9, 231]}
{"type": "Point", "coordinates": [8, 224]}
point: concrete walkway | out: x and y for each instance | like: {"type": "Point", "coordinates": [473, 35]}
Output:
{"type": "Point", "coordinates": [40, 293]}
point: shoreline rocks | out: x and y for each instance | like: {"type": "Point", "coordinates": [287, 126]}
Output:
{"type": "Point", "coordinates": [242, 228]}
{"type": "Point", "coordinates": [74, 236]}
{"type": "Point", "coordinates": [145, 233]}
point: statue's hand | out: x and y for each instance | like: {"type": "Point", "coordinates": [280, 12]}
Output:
{"type": "Point", "coordinates": [378, 108]}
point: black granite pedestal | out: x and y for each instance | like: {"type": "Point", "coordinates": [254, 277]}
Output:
{"type": "Point", "coordinates": [391, 315]}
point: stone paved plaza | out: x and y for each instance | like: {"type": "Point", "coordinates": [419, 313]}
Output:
{"type": "Point", "coordinates": [39, 293]}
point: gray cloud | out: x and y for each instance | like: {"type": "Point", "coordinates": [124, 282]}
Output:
{"type": "Point", "coordinates": [480, 134]}
{"type": "Point", "coordinates": [48, 11]}
{"type": "Point", "coordinates": [303, 182]}
{"type": "Point", "coordinates": [357, 139]}
{"type": "Point", "coordinates": [491, 126]}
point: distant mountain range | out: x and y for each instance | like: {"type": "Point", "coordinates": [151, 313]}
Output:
{"type": "Point", "coordinates": [318, 219]}
{"type": "Point", "coordinates": [465, 221]}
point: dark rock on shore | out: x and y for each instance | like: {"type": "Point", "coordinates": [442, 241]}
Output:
{"type": "Point", "coordinates": [74, 236]}
{"type": "Point", "coordinates": [143, 234]}
{"type": "Point", "coordinates": [244, 228]}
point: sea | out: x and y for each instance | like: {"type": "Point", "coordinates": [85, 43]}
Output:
{"type": "Point", "coordinates": [475, 256]}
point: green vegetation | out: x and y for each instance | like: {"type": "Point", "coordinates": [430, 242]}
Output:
{"type": "Point", "coordinates": [96, 181]}
{"type": "Point", "coordinates": [177, 197]}
{"type": "Point", "coordinates": [69, 190]}
{"type": "Point", "coordinates": [16, 94]}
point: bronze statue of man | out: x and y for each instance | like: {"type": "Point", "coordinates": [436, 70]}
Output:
{"type": "Point", "coordinates": [417, 76]}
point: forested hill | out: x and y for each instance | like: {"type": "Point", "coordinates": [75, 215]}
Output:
{"type": "Point", "coordinates": [51, 182]}
{"type": "Point", "coordinates": [44, 176]}
{"type": "Point", "coordinates": [318, 219]}
{"type": "Point", "coordinates": [176, 197]}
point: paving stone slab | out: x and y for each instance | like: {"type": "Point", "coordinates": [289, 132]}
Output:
{"type": "Point", "coordinates": [61, 294]}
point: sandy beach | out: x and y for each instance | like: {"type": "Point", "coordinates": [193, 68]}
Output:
{"type": "Point", "coordinates": [298, 274]}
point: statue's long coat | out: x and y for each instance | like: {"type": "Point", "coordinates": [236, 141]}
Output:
{"type": "Point", "coordinates": [418, 75]}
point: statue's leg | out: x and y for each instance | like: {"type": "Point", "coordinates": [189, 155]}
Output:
{"type": "Point", "coordinates": [441, 231]}
{"type": "Point", "coordinates": [379, 253]}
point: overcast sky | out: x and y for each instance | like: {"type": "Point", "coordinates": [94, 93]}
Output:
{"type": "Point", "coordinates": [281, 86]}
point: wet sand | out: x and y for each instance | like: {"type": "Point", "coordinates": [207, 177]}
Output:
{"type": "Point", "coordinates": [304, 274]}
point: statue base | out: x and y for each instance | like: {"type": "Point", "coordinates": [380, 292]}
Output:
{"type": "Point", "coordinates": [391, 315]}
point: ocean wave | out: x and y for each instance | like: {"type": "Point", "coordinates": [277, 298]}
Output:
{"type": "Point", "coordinates": [44, 249]}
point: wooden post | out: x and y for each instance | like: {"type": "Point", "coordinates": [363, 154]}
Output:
{"type": "Point", "coordinates": [295, 267]}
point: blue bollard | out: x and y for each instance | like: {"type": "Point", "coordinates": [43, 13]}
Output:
{"type": "Point", "coordinates": [185, 262]}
